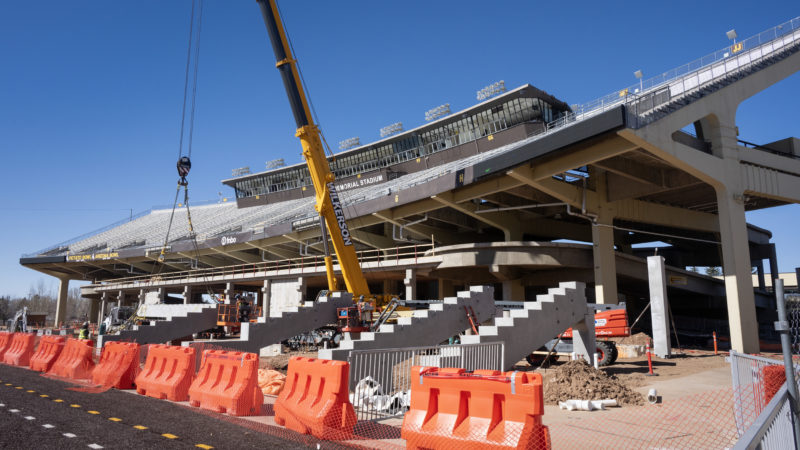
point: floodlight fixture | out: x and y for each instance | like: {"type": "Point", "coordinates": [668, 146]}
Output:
{"type": "Point", "coordinates": [240, 171]}
{"type": "Point", "coordinates": [275, 163]}
{"type": "Point", "coordinates": [732, 35]}
{"type": "Point", "coordinates": [491, 90]}
{"type": "Point", "coordinates": [439, 111]}
{"type": "Point", "coordinates": [349, 143]}
{"type": "Point", "coordinates": [392, 129]}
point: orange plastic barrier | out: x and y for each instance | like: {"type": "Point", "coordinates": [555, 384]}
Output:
{"type": "Point", "coordinates": [167, 372]}
{"type": "Point", "coordinates": [21, 348]}
{"type": "Point", "coordinates": [451, 408]}
{"type": "Point", "coordinates": [118, 366]}
{"type": "Point", "coordinates": [315, 399]}
{"type": "Point", "coordinates": [49, 349]}
{"type": "Point", "coordinates": [5, 342]}
{"type": "Point", "coordinates": [227, 382]}
{"type": "Point", "coordinates": [773, 378]}
{"type": "Point", "coordinates": [75, 361]}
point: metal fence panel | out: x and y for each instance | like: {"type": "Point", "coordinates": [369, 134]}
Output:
{"type": "Point", "coordinates": [380, 379]}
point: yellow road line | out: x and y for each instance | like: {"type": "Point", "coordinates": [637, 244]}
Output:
{"type": "Point", "coordinates": [140, 427]}
{"type": "Point", "coordinates": [74, 406]}
{"type": "Point", "coordinates": [169, 436]}
{"type": "Point", "coordinates": [115, 419]}
{"type": "Point", "coordinates": [207, 447]}
{"type": "Point", "coordinates": [44, 395]}
{"type": "Point", "coordinates": [93, 412]}
{"type": "Point", "coordinates": [30, 391]}
{"type": "Point", "coordinates": [58, 400]}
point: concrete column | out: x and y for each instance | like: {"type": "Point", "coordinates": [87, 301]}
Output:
{"type": "Point", "coordinates": [301, 290]}
{"type": "Point", "coordinates": [229, 293]}
{"type": "Point", "coordinates": [266, 297]}
{"type": "Point", "coordinates": [605, 267]}
{"type": "Point", "coordinates": [760, 271]}
{"type": "Point", "coordinates": [410, 282]}
{"type": "Point", "coordinates": [659, 308]}
{"type": "Point", "coordinates": [584, 343]}
{"type": "Point", "coordinates": [446, 289]}
{"type": "Point", "coordinates": [187, 294]}
{"type": "Point", "coordinates": [121, 297]}
{"type": "Point", "coordinates": [142, 296]}
{"type": "Point", "coordinates": [737, 271]}
{"type": "Point", "coordinates": [61, 304]}
{"type": "Point", "coordinates": [102, 313]}
{"type": "Point", "coordinates": [513, 290]}
{"type": "Point", "coordinates": [94, 309]}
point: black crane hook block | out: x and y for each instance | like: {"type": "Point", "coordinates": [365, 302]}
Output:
{"type": "Point", "coordinates": [184, 165]}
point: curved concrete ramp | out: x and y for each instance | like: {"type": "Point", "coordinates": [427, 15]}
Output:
{"type": "Point", "coordinates": [536, 323]}
{"type": "Point", "coordinates": [424, 327]}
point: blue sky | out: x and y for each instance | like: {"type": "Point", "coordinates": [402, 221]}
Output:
{"type": "Point", "coordinates": [91, 91]}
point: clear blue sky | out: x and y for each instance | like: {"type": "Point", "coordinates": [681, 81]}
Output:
{"type": "Point", "coordinates": [91, 91]}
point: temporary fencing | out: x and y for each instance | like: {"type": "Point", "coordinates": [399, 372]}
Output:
{"type": "Point", "coordinates": [380, 379]}
{"type": "Point", "coordinates": [5, 342]}
{"type": "Point", "coordinates": [21, 349]}
{"type": "Point", "coordinates": [118, 366]}
{"type": "Point", "coordinates": [167, 373]}
{"type": "Point", "coordinates": [48, 352]}
{"type": "Point", "coordinates": [227, 382]}
{"type": "Point", "coordinates": [75, 361]}
{"type": "Point", "coordinates": [453, 408]}
{"type": "Point", "coordinates": [315, 401]}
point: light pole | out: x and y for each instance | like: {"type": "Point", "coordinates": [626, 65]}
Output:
{"type": "Point", "coordinates": [638, 74]}
{"type": "Point", "coordinates": [732, 35]}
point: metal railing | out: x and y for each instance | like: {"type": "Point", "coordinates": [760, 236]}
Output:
{"type": "Point", "coordinates": [380, 380]}
{"type": "Point", "coordinates": [381, 257]}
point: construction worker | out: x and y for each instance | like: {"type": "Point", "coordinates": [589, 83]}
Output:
{"type": "Point", "coordinates": [244, 309]}
{"type": "Point", "coordinates": [84, 332]}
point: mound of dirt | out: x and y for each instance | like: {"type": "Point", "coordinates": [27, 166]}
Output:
{"type": "Point", "coordinates": [634, 339]}
{"type": "Point", "coordinates": [579, 380]}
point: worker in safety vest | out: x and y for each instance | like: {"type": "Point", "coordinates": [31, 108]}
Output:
{"type": "Point", "coordinates": [84, 332]}
{"type": "Point", "coordinates": [244, 309]}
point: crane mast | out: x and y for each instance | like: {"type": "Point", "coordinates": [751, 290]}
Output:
{"type": "Point", "coordinates": [328, 203]}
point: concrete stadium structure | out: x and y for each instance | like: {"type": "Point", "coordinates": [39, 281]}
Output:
{"type": "Point", "coordinates": [482, 196]}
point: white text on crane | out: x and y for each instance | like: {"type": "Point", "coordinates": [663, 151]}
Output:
{"type": "Point", "coordinates": [337, 209]}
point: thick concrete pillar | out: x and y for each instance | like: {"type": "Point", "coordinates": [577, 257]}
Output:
{"type": "Point", "coordinates": [103, 303]}
{"type": "Point", "coordinates": [142, 297]}
{"type": "Point", "coordinates": [187, 294]}
{"type": "Point", "coordinates": [410, 282]}
{"type": "Point", "coordinates": [61, 304]}
{"type": "Point", "coordinates": [584, 344]}
{"type": "Point", "coordinates": [659, 308]}
{"type": "Point", "coordinates": [121, 298]}
{"type": "Point", "coordinates": [605, 267]}
{"type": "Point", "coordinates": [94, 309]}
{"type": "Point", "coordinates": [737, 271]}
{"type": "Point", "coordinates": [446, 289]}
{"type": "Point", "coordinates": [513, 290]}
{"type": "Point", "coordinates": [266, 297]}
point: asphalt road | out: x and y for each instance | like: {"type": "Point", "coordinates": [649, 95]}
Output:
{"type": "Point", "coordinates": [42, 413]}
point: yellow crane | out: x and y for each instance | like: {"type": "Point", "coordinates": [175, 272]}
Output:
{"type": "Point", "coordinates": [328, 203]}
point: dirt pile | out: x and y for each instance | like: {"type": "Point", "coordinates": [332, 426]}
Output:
{"type": "Point", "coordinates": [281, 362]}
{"type": "Point", "coordinates": [634, 339]}
{"type": "Point", "coordinates": [579, 380]}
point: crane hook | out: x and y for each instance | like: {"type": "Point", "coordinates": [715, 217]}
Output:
{"type": "Point", "coordinates": [184, 165]}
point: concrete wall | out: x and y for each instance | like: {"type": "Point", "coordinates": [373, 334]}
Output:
{"type": "Point", "coordinates": [286, 295]}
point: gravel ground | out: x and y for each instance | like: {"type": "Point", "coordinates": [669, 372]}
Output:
{"type": "Point", "coordinates": [37, 420]}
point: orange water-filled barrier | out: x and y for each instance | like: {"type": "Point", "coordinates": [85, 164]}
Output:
{"type": "Point", "coordinates": [48, 352]}
{"type": "Point", "coordinates": [75, 361]}
{"type": "Point", "coordinates": [315, 399]}
{"type": "Point", "coordinates": [451, 408]}
{"type": "Point", "coordinates": [227, 382]}
{"type": "Point", "coordinates": [167, 373]}
{"type": "Point", "coordinates": [118, 366]}
{"type": "Point", "coordinates": [21, 349]}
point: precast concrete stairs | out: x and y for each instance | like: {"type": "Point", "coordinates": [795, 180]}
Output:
{"type": "Point", "coordinates": [527, 329]}
{"type": "Point", "coordinates": [276, 328]}
{"type": "Point", "coordinates": [181, 321]}
{"type": "Point", "coordinates": [425, 327]}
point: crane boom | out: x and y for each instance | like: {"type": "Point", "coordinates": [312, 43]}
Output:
{"type": "Point", "coordinates": [328, 203]}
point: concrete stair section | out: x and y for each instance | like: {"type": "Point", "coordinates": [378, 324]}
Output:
{"type": "Point", "coordinates": [527, 329]}
{"type": "Point", "coordinates": [181, 321]}
{"type": "Point", "coordinates": [424, 327]}
{"type": "Point", "coordinates": [283, 325]}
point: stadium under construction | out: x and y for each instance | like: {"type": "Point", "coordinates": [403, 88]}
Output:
{"type": "Point", "coordinates": [518, 193]}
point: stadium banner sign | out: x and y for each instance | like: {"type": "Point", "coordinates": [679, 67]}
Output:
{"type": "Point", "coordinates": [361, 180]}
{"type": "Point", "coordinates": [93, 256]}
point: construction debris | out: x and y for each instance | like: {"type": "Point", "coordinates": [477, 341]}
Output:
{"type": "Point", "coordinates": [577, 379]}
